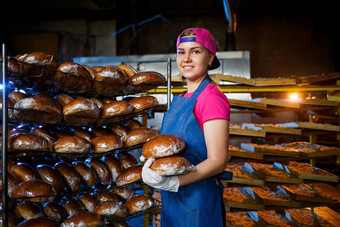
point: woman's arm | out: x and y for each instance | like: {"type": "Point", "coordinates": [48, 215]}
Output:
{"type": "Point", "coordinates": [216, 135]}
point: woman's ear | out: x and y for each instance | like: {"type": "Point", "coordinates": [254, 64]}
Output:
{"type": "Point", "coordinates": [211, 59]}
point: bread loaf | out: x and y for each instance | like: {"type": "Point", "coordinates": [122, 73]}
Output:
{"type": "Point", "coordinates": [35, 191]}
{"type": "Point", "coordinates": [139, 203]}
{"type": "Point", "coordinates": [73, 206]}
{"type": "Point", "coordinates": [101, 132]}
{"type": "Point", "coordinates": [101, 170]}
{"type": "Point", "coordinates": [73, 77]}
{"type": "Point", "coordinates": [112, 209]}
{"type": "Point", "coordinates": [144, 102]}
{"type": "Point", "coordinates": [123, 192]}
{"type": "Point", "coordinates": [86, 172]}
{"type": "Point", "coordinates": [72, 144]}
{"type": "Point", "coordinates": [90, 70]}
{"type": "Point", "coordinates": [27, 142]}
{"type": "Point", "coordinates": [130, 175]}
{"type": "Point", "coordinates": [16, 96]}
{"type": "Point", "coordinates": [134, 124]}
{"type": "Point", "coordinates": [86, 134]}
{"type": "Point", "coordinates": [70, 175]}
{"type": "Point", "coordinates": [173, 165]}
{"type": "Point", "coordinates": [147, 78]}
{"type": "Point", "coordinates": [89, 201]}
{"type": "Point", "coordinates": [28, 210]}
{"type": "Point", "coordinates": [127, 160]}
{"type": "Point", "coordinates": [41, 221]}
{"type": "Point", "coordinates": [116, 108]}
{"type": "Point", "coordinates": [51, 139]}
{"type": "Point", "coordinates": [55, 211]}
{"type": "Point", "coordinates": [102, 144]}
{"type": "Point", "coordinates": [50, 175]}
{"type": "Point", "coordinates": [109, 81]}
{"type": "Point", "coordinates": [163, 146]}
{"type": "Point", "coordinates": [114, 166]}
{"type": "Point", "coordinates": [63, 99]}
{"type": "Point", "coordinates": [128, 69]}
{"type": "Point", "coordinates": [84, 219]}
{"type": "Point", "coordinates": [24, 172]}
{"type": "Point", "coordinates": [104, 195]}
{"type": "Point", "coordinates": [139, 136]}
{"type": "Point", "coordinates": [97, 101]}
{"type": "Point", "coordinates": [120, 130]}
{"type": "Point", "coordinates": [81, 111]}
{"type": "Point", "coordinates": [39, 108]}
{"type": "Point", "coordinates": [41, 67]}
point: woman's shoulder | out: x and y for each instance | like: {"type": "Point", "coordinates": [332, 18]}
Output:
{"type": "Point", "coordinates": [211, 91]}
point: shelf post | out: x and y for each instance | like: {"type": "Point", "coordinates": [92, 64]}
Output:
{"type": "Point", "coordinates": [4, 138]}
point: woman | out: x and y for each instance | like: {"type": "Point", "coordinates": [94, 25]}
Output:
{"type": "Point", "coordinates": [200, 117]}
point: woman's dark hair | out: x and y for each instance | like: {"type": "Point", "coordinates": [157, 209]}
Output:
{"type": "Point", "coordinates": [188, 33]}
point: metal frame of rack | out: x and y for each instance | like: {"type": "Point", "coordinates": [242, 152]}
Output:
{"type": "Point", "coordinates": [4, 138]}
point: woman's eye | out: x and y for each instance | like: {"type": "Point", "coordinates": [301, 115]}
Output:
{"type": "Point", "coordinates": [180, 52]}
{"type": "Point", "coordinates": [195, 51]}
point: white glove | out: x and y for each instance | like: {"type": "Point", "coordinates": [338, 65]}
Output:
{"type": "Point", "coordinates": [153, 179]}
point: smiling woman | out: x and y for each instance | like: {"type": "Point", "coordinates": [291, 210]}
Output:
{"type": "Point", "coordinates": [201, 118]}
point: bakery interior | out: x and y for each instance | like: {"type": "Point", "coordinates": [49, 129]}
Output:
{"type": "Point", "coordinates": [280, 63]}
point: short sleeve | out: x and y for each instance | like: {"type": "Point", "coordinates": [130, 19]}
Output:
{"type": "Point", "coordinates": [216, 106]}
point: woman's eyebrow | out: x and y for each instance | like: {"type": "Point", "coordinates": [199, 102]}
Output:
{"type": "Point", "coordinates": [191, 48]}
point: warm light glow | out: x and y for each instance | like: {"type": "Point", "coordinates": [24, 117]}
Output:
{"type": "Point", "coordinates": [293, 96]}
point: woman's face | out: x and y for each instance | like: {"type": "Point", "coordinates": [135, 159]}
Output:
{"type": "Point", "coordinates": [193, 60]}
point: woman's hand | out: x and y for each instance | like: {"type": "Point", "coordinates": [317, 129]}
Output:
{"type": "Point", "coordinates": [154, 180]}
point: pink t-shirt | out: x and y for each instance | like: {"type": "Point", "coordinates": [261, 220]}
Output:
{"type": "Point", "coordinates": [210, 104]}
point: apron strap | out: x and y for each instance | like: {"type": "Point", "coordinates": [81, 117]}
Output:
{"type": "Point", "coordinates": [200, 88]}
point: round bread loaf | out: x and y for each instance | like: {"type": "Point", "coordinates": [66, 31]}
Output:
{"type": "Point", "coordinates": [134, 124]}
{"type": "Point", "coordinates": [120, 130]}
{"type": "Point", "coordinates": [84, 219]}
{"type": "Point", "coordinates": [104, 195]}
{"type": "Point", "coordinates": [109, 81]}
{"type": "Point", "coordinates": [127, 160]}
{"type": "Point", "coordinates": [50, 175]}
{"type": "Point", "coordinates": [89, 201]}
{"type": "Point", "coordinates": [28, 210]}
{"type": "Point", "coordinates": [130, 175]}
{"type": "Point", "coordinates": [41, 222]}
{"type": "Point", "coordinates": [90, 70]}
{"type": "Point", "coordinates": [27, 142]}
{"type": "Point", "coordinates": [39, 108]}
{"type": "Point", "coordinates": [97, 101]}
{"type": "Point", "coordinates": [81, 111]}
{"type": "Point", "coordinates": [86, 134]}
{"type": "Point", "coordinates": [101, 170]}
{"type": "Point", "coordinates": [70, 175]}
{"type": "Point", "coordinates": [111, 209]}
{"type": "Point", "coordinates": [63, 99]}
{"type": "Point", "coordinates": [139, 136]}
{"type": "Point", "coordinates": [114, 166]}
{"type": "Point", "coordinates": [147, 78]}
{"type": "Point", "coordinates": [139, 203]}
{"type": "Point", "coordinates": [35, 191]}
{"type": "Point", "coordinates": [55, 211]}
{"type": "Point", "coordinates": [128, 69]}
{"type": "Point", "coordinates": [86, 172]}
{"type": "Point", "coordinates": [172, 165]}
{"type": "Point", "coordinates": [72, 144]}
{"type": "Point", "coordinates": [61, 134]}
{"type": "Point", "coordinates": [24, 172]}
{"type": "Point", "coordinates": [16, 96]}
{"type": "Point", "coordinates": [101, 132]}
{"type": "Point", "coordinates": [11, 181]}
{"type": "Point", "coordinates": [116, 108]}
{"type": "Point", "coordinates": [144, 102]}
{"type": "Point", "coordinates": [123, 192]}
{"type": "Point", "coordinates": [108, 100]}
{"type": "Point", "coordinates": [73, 206]}
{"type": "Point", "coordinates": [73, 77]}
{"type": "Point", "coordinates": [103, 144]}
{"type": "Point", "coordinates": [163, 146]}
{"type": "Point", "coordinates": [46, 134]}
{"type": "Point", "coordinates": [41, 67]}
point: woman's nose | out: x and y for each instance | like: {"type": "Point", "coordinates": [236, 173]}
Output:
{"type": "Point", "coordinates": [187, 57]}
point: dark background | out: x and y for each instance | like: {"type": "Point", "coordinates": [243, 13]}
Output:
{"type": "Point", "coordinates": [284, 37]}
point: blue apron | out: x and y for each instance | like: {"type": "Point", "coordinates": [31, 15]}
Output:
{"type": "Point", "coordinates": [200, 203]}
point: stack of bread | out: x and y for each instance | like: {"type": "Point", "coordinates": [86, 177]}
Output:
{"type": "Point", "coordinates": [165, 150]}
{"type": "Point", "coordinates": [43, 69]}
